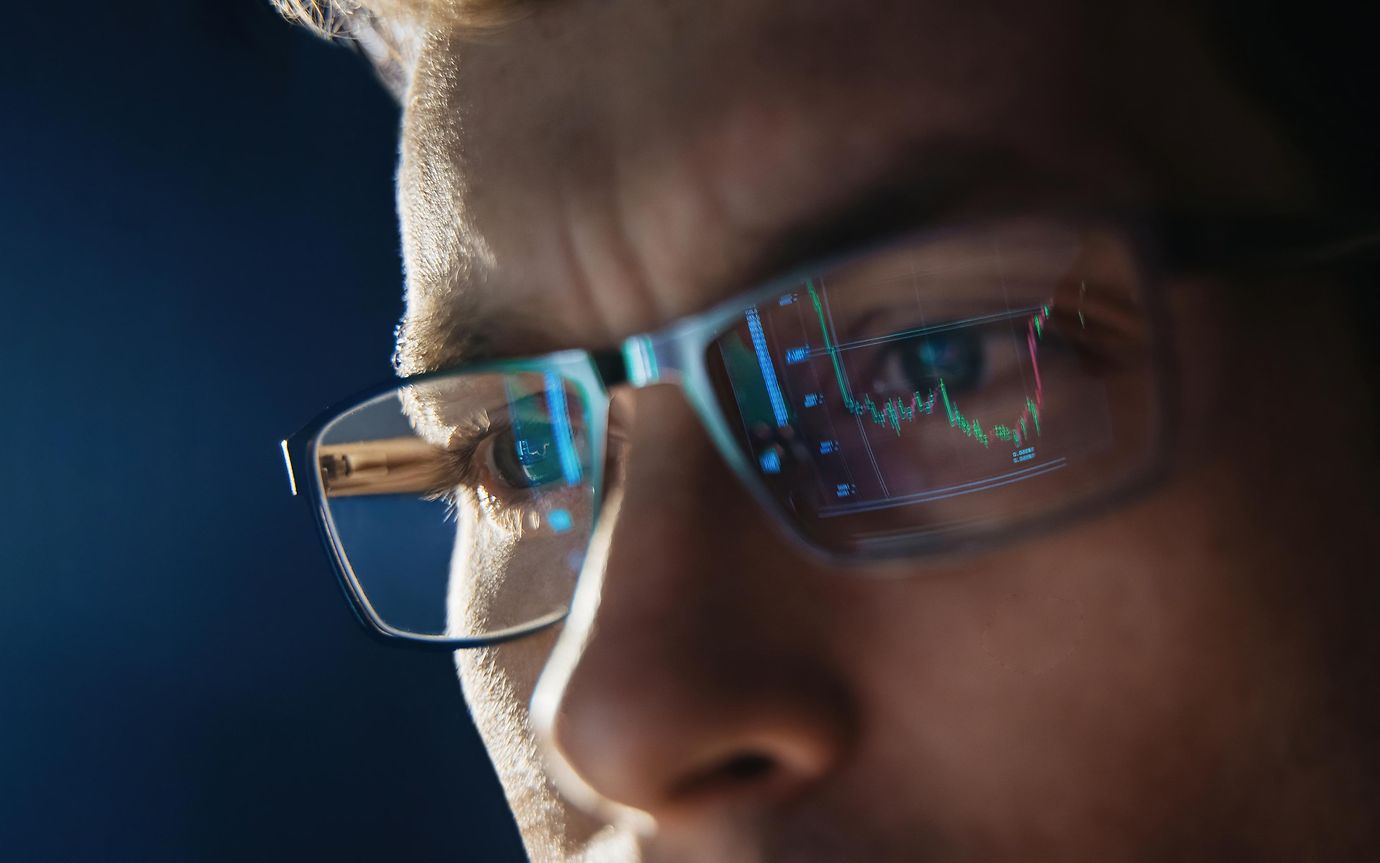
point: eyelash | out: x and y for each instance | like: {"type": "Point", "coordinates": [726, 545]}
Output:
{"type": "Point", "coordinates": [464, 471]}
{"type": "Point", "coordinates": [461, 464]}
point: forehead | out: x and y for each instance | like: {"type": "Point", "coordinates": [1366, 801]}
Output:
{"type": "Point", "coordinates": [600, 166]}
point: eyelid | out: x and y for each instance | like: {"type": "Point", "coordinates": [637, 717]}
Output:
{"type": "Point", "coordinates": [459, 463]}
{"type": "Point", "coordinates": [466, 458]}
{"type": "Point", "coordinates": [889, 352]}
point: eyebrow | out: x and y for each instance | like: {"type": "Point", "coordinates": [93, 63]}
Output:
{"type": "Point", "coordinates": [462, 327]}
{"type": "Point", "coordinates": [936, 182]}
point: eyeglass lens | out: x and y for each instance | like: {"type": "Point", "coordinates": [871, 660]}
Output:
{"type": "Point", "coordinates": [944, 388]}
{"type": "Point", "coordinates": [463, 505]}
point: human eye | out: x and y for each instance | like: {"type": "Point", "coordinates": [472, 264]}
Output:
{"type": "Point", "coordinates": [972, 371]}
{"type": "Point", "coordinates": [519, 454]}
{"type": "Point", "coordinates": [517, 457]}
{"type": "Point", "coordinates": [946, 381]}
{"type": "Point", "coordinates": [959, 357]}
{"type": "Point", "coordinates": [967, 357]}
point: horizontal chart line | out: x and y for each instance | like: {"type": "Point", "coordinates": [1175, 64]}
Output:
{"type": "Point", "coordinates": [923, 331]}
{"type": "Point", "coordinates": [948, 491]}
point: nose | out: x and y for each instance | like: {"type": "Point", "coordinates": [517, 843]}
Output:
{"type": "Point", "coordinates": [693, 674]}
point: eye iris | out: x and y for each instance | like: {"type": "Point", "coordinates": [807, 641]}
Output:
{"type": "Point", "coordinates": [528, 460]}
{"type": "Point", "coordinates": [955, 357]}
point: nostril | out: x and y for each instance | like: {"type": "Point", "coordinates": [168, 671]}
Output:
{"type": "Point", "coordinates": [736, 773]}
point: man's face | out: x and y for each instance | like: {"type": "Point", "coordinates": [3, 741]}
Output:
{"type": "Point", "coordinates": [1154, 682]}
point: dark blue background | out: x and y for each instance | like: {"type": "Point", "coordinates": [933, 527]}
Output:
{"type": "Point", "coordinates": [197, 251]}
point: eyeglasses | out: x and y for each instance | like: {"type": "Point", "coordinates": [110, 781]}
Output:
{"type": "Point", "coordinates": [942, 392]}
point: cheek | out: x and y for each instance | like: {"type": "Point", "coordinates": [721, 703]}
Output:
{"type": "Point", "coordinates": [1075, 685]}
{"type": "Point", "coordinates": [498, 682]}
{"type": "Point", "coordinates": [511, 567]}
{"type": "Point", "coordinates": [1031, 629]}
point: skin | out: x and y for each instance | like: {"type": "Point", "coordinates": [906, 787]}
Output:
{"type": "Point", "coordinates": [1185, 677]}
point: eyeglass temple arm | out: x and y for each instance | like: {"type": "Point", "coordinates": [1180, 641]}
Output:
{"type": "Point", "coordinates": [401, 465]}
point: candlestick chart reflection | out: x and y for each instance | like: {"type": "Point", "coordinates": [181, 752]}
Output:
{"type": "Point", "coordinates": [891, 407]}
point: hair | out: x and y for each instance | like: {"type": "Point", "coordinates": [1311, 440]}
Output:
{"type": "Point", "coordinates": [324, 18]}
{"type": "Point", "coordinates": [337, 19]}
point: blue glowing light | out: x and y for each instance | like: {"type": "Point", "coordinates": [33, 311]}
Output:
{"type": "Point", "coordinates": [770, 461]}
{"type": "Point", "coordinates": [560, 521]}
{"type": "Point", "coordinates": [560, 420]}
{"type": "Point", "coordinates": [759, 345]}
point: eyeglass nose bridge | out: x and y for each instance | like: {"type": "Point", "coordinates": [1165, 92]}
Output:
{"type": "Point", "coordinates": [682, 356]}
{"type": "Point", "coordinates": [652, 359]}
{"type": "Point", "coordinates": [676, 356]}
